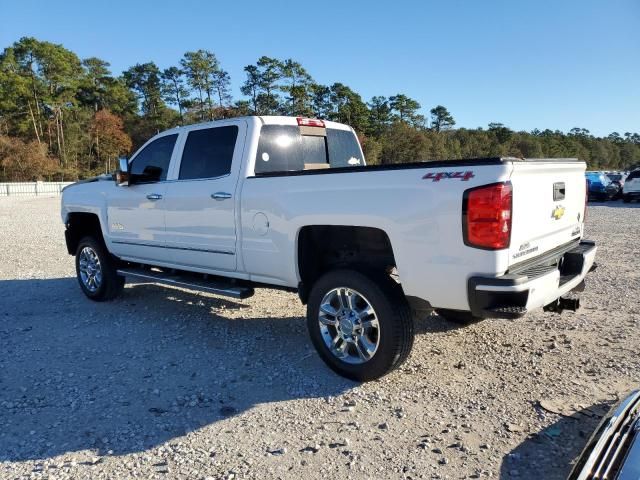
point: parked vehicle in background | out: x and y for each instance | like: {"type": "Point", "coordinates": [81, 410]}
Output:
{"type": "Point", "coordinates": [601, 188]}
{"type": "Point", "coordinates": [618, 179]}
{"type": "Point", "coordinates": [613, 451]}
{"type": "Point", "coordinates": [237, 204]}
{"type": "Point", "coordinates": [631, 188]}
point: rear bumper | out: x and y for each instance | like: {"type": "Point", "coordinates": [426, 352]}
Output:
{"type": "Point", "coordinates": [514, 294]}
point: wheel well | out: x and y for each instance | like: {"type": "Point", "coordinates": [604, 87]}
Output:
{"type": "Point", "coordinates": [81, 224]}
{"type": "Point", "coordinates": [325, 247]}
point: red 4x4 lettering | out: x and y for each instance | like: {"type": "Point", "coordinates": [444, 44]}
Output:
{"type": "Point", "coordinates": [436, 177]}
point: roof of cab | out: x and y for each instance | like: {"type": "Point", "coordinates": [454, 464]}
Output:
{"type": "Point", "coordinates": [284, 120]}
{"type": "Point", "coordinates": [264, 119]}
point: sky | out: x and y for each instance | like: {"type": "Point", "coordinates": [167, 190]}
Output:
{"type": "Point", "coordinates": [527, 64]}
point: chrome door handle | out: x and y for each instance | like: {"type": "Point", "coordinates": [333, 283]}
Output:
{"type": "Point", "coordinates": [154, 196]}
{"type": "Point", "coordinates": [220, 195]}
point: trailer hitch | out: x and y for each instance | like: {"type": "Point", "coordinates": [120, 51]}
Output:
{"type": "Point", "coordinates": [563, 303]}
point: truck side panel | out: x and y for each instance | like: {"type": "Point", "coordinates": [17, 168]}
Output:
{"type": "Point", "coordinates": [421, 214]}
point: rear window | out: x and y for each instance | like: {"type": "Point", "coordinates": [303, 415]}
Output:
{"type": "Point", "coordinates": [344, 150]}
{"type": "Point", "coordinates": [282, 148]}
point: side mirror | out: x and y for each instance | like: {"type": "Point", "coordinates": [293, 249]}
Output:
{"type": "Point", "coordinates": [122, 174]}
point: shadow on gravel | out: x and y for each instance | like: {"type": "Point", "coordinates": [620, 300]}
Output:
{"type": "Point", "coordinates": [425, 324]}
{"type": "Point", "coordinates": [550, 454]}
{"type": "Point", "coordinates": [127, 375]}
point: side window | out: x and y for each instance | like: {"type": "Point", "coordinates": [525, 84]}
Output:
{"type": "Point", "coordinates": [208, 153]}
{"type": "Point", "coordinates": [152, 163]}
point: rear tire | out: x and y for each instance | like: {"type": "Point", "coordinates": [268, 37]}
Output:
{"type": "Point", "coordinates": [96, 270]}
{"type": "Point", "coordinates": [457, 316]}
{"type": "Point", "coordinates": [365, 328]}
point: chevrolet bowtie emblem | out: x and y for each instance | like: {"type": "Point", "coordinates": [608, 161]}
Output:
{"type": "Point", "coordinates": [558, 212]}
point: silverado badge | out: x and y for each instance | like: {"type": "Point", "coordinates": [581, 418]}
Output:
{"type": "Point", "coordinates": [558, 212]}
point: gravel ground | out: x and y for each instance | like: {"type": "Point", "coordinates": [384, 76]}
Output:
{"type": "Point", "coordinates": [166, 383]}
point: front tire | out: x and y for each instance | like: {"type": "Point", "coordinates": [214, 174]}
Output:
{"type": "Point", "coordinates": [97, 271]}
{"type": "Point", "coordinates": [360, 325]}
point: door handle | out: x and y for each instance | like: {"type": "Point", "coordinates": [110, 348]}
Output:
{"type": "Point", "coordinates": [154, 196]}
{"type": "Point", "coordinates": [220, 195]}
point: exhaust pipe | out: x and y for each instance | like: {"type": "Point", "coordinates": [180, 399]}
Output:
{"type": "Point", "coordinates": [563, 303]}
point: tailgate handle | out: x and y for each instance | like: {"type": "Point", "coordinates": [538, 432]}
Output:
{"type": "Point", "coordinates": [558, 191]}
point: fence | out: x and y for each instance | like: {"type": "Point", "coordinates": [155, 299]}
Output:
{"type": "Point", "coordinates": [32, 188]}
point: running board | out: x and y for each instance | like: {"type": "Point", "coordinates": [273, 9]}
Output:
{"type": "Point", "coordinates": [188, 280]}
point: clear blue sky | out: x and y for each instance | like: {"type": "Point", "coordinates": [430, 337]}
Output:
{"type": "Point", "coordinates": [540, 63]}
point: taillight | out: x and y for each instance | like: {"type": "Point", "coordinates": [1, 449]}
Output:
{"type": "Point", "coordinates": [310, 122]}
{"type": "Point", "coordinates": [486, 216]}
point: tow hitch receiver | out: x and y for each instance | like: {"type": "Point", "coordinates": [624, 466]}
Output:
{"type": "Point", "coordinates": [563, 303]}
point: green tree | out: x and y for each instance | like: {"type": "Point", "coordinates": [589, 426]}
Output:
{"type": "Point", "coordinates": [297, 85]}
{"type": "Point", "coordinates": [321, 100]}
{"type": "Point", "coordinates": [93, 86]}
{"type": "Point", "coordinates": [222, 84]}
{"type": "Point", "coordinates": [615, 137]}
{"type": "Point", "coordinates": [441, 119]}
{"type": "Point", "coordinates": [379, 115]}
{"type": "Point", "coordinates": [406, 110]}
{"type": "Point", "coordinates": [403, 143]}
{"type": "Point", "coordinates": [17, 109]}
{"type": "Point", "coordinates": [348, 107]}
{"type": "Point", "coordinates": [501, 133]}
{"type": "Point", "coordinates": [144, 80]}
{"type": "Point", "coordinates": [174, 89]}
{"type": "Point", "coordinates": [54, 74]}
{"type": "Point", "coordinates": [262, 85]}
{"type": "Point", "coordinates": [204, 75]}
{"type": "Point", "coordinates": [251, 87]}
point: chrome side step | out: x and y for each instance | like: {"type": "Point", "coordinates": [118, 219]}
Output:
{"type": "Point", "coordinates": [188, 280]}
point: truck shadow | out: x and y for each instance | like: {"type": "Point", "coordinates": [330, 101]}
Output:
{"type": "Point", "coordinates": [551, 453]}
{"type": "Point", "coordinates": [128, 375]}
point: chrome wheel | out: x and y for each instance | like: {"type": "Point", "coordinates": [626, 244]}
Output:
{"type": "Point", "coordinates": [349, 325]}
{"type": "Point", "coordinates": [90, 269]}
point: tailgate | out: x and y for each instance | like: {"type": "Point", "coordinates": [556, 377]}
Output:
{"type": "Point", "coordinates": [548, 206]}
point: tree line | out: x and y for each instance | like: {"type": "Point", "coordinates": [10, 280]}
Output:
{"type": "Point", "coordinates": [64, 118]}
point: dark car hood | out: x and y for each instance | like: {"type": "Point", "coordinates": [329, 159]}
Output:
{"type": "Point", "coordinates": [613, 452]}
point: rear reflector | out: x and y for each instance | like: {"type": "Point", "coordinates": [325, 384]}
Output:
{"type": "Point", "coordinates": [486, 216]}
{"type": "Point", "coordinates": [310, 122]}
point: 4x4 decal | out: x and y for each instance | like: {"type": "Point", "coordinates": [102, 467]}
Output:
{"type": "Point", "coordinates": [436, 177]}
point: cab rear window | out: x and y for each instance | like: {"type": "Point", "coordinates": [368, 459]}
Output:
{"type": "Point", "coordinates": [282, 148]}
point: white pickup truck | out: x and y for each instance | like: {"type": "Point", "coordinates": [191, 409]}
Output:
{"type": "Point", "coordinates": [289, 203]}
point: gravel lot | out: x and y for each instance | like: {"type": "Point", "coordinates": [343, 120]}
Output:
{"type": "Point", "coordinates": [166, 383]}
